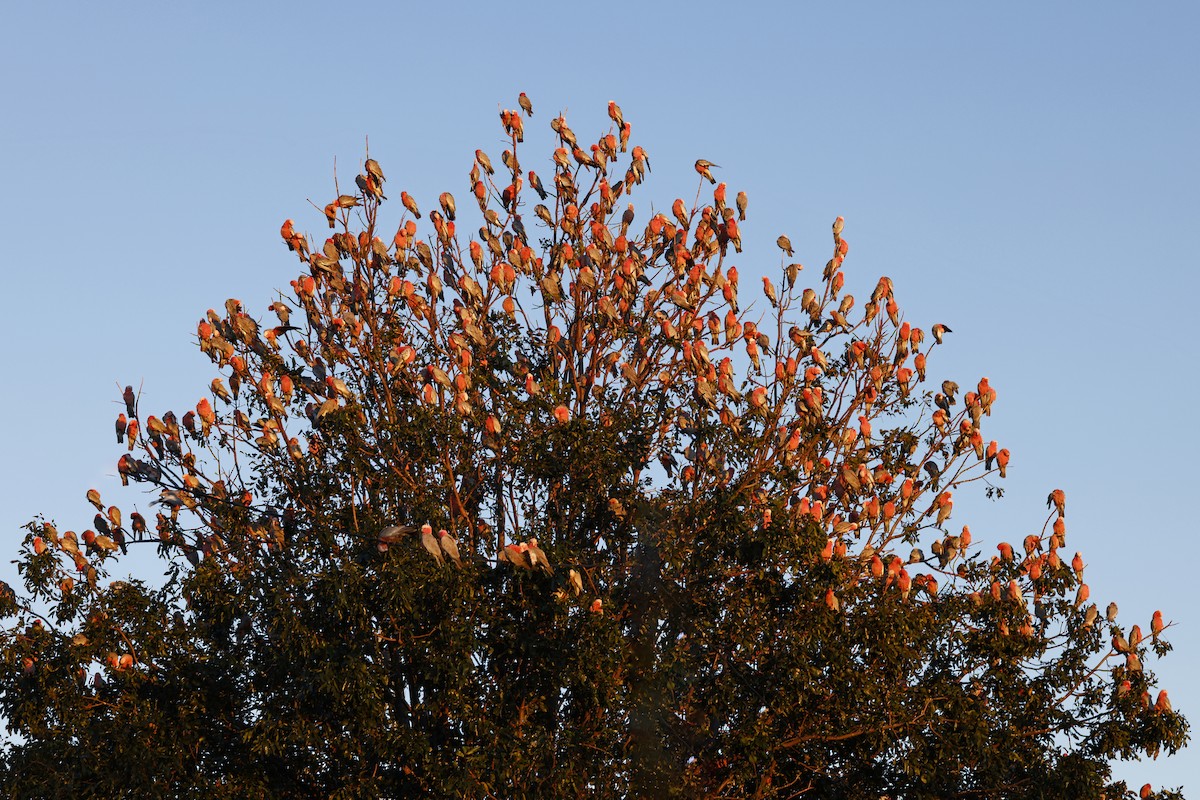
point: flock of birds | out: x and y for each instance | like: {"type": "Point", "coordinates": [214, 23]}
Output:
{"type": "Point", "coordinates": [609, 271]}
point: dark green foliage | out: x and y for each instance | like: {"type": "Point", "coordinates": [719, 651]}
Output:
{"type": "Point", "coordinates": [733, 610]}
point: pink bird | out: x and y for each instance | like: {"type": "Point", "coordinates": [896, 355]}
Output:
{"type": "Point", "coordinates": [430, 543]}
{"type": "Point", "coordinates": [450, 547]}
{"type": "Point", "coordinates": [537, 557]}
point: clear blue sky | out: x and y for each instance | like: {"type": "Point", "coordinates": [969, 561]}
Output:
{"type": "Point", "coordinates": [1027, 174]}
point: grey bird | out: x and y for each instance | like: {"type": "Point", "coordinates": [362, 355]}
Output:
{"type": "Point", "coordinates": [450, 547]}
{"type": "Point", "coordinates": [394, 534]}
{"type": "Point", "coordinates": [430, 543]}
{"type": "Point", "coordinates": [538, 557]}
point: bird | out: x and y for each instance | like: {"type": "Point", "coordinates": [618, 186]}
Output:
{"type": "Point", "coordinates": [1110, 613]}
{"type": "Point", "coordinates": [1058, 500]}
{"type": "Point", "coordinates": [93, 497]}
{"type": "Point", "coordinates": [515, 554]}
{"type": "Point", "coordinates": [393, 534]}
{"type": "Point", "coordinates": [1002, 458]}
{"type": "Point", "coordinates": [447, 202]}
{"type": "Point", "coordinates": [372, 168]}
{"type": "Point", "coordinates": [367, 185]}
{"type": "Point", "coordinates": [482, 159]}
{"type": "Point", "coordinates": [939, 330]}
{"type": "Point", "coordinates": [1156, 625]}
{"type": "Point", "coordinates": [705, 169]}
{"type": "Point", "coordinates": [831, 601]}
{"type": "Point", "coordinates": [525, 104]}
{"type": "Point", "coordinates": [218, 389]}
{"type": "Point", "coordinates": [449, 547]}
{"type": "Point", "coordinates": [769, 290]}
{"type": "Point", "coordinates": [785, 244]}
{"type": "Point", "coordinates": [1089, 617]}
{"type": "Point", "coordinates": [130, 401]}
{"type": "Point", "coordinates": [536, 183]}
{"type": "Point", "coordinates": [537, 557]}
{"type": "Point", "coordinates": [614, 113]}
{"type": "Point", "coordinates": [411, 204]}
{"type": "Point", "coordinates": [430, 543]}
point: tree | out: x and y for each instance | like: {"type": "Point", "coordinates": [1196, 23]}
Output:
{"type": "Point", "coordinates": [556, 511]}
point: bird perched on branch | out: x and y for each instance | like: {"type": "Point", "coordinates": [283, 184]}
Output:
{"type": "Point", "coordinates": [430, 543]}
{"type": "Point", "coordinates": [515, 554]}
{"type": "Point", "coordinates": [537, 558]}
{"type": "Point", "coordinates": [449, 546]}
{"type": "Point", "coordinates": [394, 534]}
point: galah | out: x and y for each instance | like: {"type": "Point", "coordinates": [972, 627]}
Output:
{"type": "Point", "coordinates": [447, 202]}
{"type": "Point", "coordinates": [130, 401]}
{"type": "Point", "coordinates": [393, 534]}
{"type": "Point", "coordinates": [449, 547]}
{"type": "Point", "coordinates": [831, 601]}
{"type": "Point", "coordinates": [769, 290]}
{"type": "Point", "coordinates": [516, 555]}
{"type": "Point", "coordinates": [430, 543]}
{"type": "Point", "coordinates": [482, 159]}
{"type": "Point", "coordinates": [373, 169]}
{"type": "Point", "coordinates": [614, 113]}
{"type": "Point", "coordinates": [1156, 625]}
{"type": "Point", "coordinates": [410, 204]}
{"type": "Point", "coordinates": [537, 557]}
{"type": "Point", "coordinates": [704, 167]}
{"type": "Point", "coordinates": [1058, 500]}
{"type": "Point", "coordinates": [1089, 617]}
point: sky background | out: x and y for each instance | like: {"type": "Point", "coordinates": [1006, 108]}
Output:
{"type": "Point", "coordinates": [1026, 175]}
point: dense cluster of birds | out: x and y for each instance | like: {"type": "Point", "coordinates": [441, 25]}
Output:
{"type": "Point", "coordinates": [609, 307]}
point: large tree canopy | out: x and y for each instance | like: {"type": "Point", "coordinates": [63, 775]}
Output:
{"type": "Point", "coordinates": [558, 509]}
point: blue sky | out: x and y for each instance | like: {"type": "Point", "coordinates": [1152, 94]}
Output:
{"type": "Point", "coordinates": [1025, 174]}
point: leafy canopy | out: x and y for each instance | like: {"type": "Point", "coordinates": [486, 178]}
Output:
{"type": "Point", "coordinates": [697, 543]}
